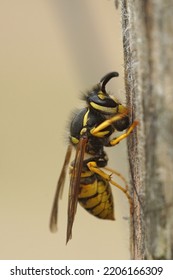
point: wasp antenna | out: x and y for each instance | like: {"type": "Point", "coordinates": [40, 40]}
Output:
{"type": "Point", "coordinates": [106, 79]}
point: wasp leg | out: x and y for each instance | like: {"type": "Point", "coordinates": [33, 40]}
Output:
{"type": "Point", "coordinates": [97, 131]}
{"type": "Point", "coordinates": [115, 141]}
{"type": "Point", "coordinates": [125, 190]}
{"type": "Point", "coordinates": [117, 174]}
{"type": "Point", "coordinates": [92, 165]}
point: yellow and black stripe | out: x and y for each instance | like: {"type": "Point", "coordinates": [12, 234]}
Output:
{"type": "Point", "coordinates": [95, 196]}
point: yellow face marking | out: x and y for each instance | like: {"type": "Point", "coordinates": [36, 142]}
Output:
{"type": "Point", "coordinates": [103, 108]}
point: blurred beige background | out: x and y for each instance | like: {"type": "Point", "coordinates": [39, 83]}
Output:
{"type": "Point", "coordinates": [50, 51]}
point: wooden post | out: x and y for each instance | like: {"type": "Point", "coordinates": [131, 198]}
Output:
{"type": "Point", "coordinates": [147, 28]}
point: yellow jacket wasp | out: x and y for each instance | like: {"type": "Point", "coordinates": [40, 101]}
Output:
{"type": "Point", "coordinates": [90, 132]}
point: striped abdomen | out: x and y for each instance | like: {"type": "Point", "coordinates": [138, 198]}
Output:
{"type": "Point", "coordinates": [95, 196]}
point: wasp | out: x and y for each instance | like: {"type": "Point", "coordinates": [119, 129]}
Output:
{"type": "Point", "coordinates": [91, 130]}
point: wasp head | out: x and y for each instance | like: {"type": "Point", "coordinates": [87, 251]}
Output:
{"type": "Point", "coordinates": [99, 100]}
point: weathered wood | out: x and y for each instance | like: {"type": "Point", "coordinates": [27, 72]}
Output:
{"type": "Point", "coordinates": [147, 40]}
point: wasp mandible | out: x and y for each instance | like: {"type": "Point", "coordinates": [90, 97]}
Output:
{"type": "Point", "coordinates": [90, 131]}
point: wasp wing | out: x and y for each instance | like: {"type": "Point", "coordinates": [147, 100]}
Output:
{"type": "Point", "coordinates": [75, 184]}
{"type": "Point", "coordinates": [59, 189]}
